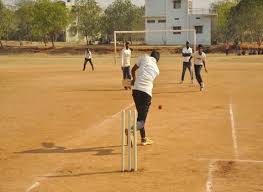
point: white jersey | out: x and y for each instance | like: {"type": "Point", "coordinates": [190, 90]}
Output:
{"type": "Point", "coordinates": [88, 54]}
{"type": "Point", "coordinates": [199, 59]}
{"type": "Point", "coordinates": [126, 57]}
{"type": "Point", "coordinates": [187, 51]}
{"type": "Point", "coordinates": [147, 72]}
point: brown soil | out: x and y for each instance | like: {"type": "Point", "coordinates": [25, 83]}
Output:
{"type": "Point", "coordinates": [60, 126]}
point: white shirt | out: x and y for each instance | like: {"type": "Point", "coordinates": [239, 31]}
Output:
{"type": "Point", "coordinates": [126, 57]}
{"type": "Point", "coordinates": [199, 59]}
{"type": "Point", "coordinates": [88, 54]}
{"type": "Point", "coordinates": [187, 51]}
{"type": "Point", "coordinates": [146, 74]}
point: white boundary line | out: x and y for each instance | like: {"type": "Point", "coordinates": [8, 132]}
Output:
{"type": "Point", "coordinates": [234, 135]}
{"type": "Point", "coordinates": [38, 182]}
{"type": "Point", "coordinates": [209, 182]}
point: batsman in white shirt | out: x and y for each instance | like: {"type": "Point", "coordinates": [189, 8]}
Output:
{"type": "Point", "coordinates": [125, 65]}
{"type": "Point", "coordinates": [144, 73]}
{"type": "Point", "coordinates": [187, 53]}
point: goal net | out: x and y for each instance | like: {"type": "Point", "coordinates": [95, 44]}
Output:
{"type": "Point", "coordinates": [168, 42]}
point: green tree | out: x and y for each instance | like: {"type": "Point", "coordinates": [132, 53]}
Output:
{"type": "Point", "coordinates": [223, 9]}
{"type": "Point", "coordinates": [88, 14]}
{"type": "Point", "coordinates": [122, 15]}
{"type": "Point", "coordinates": [6, 23]}
{"type": "Point", "coordinates": [24, 19]}
{"type": "Point", "coordinates": [49, 19]}
{"type": "Point", "coordinates": [246, 20]}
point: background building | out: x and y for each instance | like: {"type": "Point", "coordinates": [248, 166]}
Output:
{"type": "Point", "coordinates": [176, 15]}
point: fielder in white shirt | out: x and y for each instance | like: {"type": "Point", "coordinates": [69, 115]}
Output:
{"type": "Point", "coordinates": [88, 57]}
{"type": "Point", "coordinates": [187, 53]}
{"type": "Point", "coordinates": [199, 61]}
{"type": "Point", "coordinates": [126, 62]}
{"type": "Point", "coordinates": [147, 71]}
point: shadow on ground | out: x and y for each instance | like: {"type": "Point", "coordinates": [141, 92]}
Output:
{"type": "Point", "coordinates": [52, 148]}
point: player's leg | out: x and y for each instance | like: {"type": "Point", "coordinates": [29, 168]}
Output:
{"type": "Point", "coordinates": [198, 69]}
{"type": "Point", "coordinates": [197, 73]}
{"type": "Point", "coordinates": [90, 61]}
{"type": "Point", "coordinates": [189, 67]}
{"type": "Point", "coordinates": [85, 63]}
{"type": "Point", "coordinates": [129, 73]}
{"type": "Point", "coordinates": [142, 102]}
{"type": "Point", "coordinates": [125, 76]}
{"type": "Point", "coordinates": [183, 72]}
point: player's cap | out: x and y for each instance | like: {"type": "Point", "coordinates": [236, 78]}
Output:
{"type": "Point", "coordinates": [200, 46]}
{"type": "Point", "coordinates": [187, 42]}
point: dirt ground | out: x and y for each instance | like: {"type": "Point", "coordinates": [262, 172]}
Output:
{"type": "Point", "coordinates": [60, 127]}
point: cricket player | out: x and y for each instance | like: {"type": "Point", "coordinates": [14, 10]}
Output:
{"type": "Point", "coordinates": [147, 70]}
{"type": "Point", "coordinates": [187, 53]}
{"type": "Point", "coordinates": [126, 63]}
{"type": "Point", "coordinates": [88, 57]}
{"type": "Point", "coordinates": [199, 61]}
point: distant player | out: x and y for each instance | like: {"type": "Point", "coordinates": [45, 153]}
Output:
{"type": "Point", "coordinates": [199, 61]}
{"type": "Point", "coordinates": [187, 52]}
{"type": "Point", "coordinates": [227, 46]}
{"type": "Point", "coordinates": [88, 58]}
{"type": "Point", "coordinates": [126, 64]}
{"type": "Point", "coordinates": [147, 71]}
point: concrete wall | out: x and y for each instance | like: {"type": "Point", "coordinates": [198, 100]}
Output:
{"type": "Point", "coordinates": [155, 8]}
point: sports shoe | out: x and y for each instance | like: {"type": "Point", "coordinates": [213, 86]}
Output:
{"type": "Point", "coordinates": [147, 141]}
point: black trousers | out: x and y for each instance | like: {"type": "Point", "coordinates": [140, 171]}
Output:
{"type": "Point", "coordinates": [85, 63]}
{"type": "Point", "coordinates": [198, 69]}
{"type": "Point", "coordinates": [187, 65]}
{"type": "Point", "coordinates": [126, 72]}
{"type": "Point", "coordinates": [142, 102]}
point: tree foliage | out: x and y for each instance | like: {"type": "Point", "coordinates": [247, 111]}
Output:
{"type": "Point", "coordinates": [24, 19]}
{"type": "Point", "coordinates": [122, 15]}
{"type": "Point", "coordinates": [6, 22]}
{"type": "Point", "coordinates": [246, 21]}
{"type": "Point", "coordinates": [88, 14]}
{"type": "Point", "coordinates": [49, 19]}
{"type": "Point", "coordinates": [240, 20]}
{"type": "Point", "coordinates": [223, 9]}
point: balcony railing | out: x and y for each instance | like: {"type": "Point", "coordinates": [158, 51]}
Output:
{"type": "Point", "coordinates": [202, 11]}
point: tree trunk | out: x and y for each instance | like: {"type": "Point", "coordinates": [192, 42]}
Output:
{"type": "Point", "coordinates": [53, 39]}
{"type": "Point", "coordinates": [1, 44]}
{"type": "Point", "coordinates": [87, 41]}
{"type": "Point", "coordinates": [45, 41]}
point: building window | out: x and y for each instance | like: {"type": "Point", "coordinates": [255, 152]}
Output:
{"type": "Point", "coordinates": [177, 4]}
{"type": "Point", "coordinates": [162, 21]}
{"type": "Point", "coordinates": [150, 21]}
{"type": "Point", "coordinates": [199, 29]}
{"type": "Point", "coordinates": [177, 28]}
{"type": "Point", "coordinates": [198, 18]}
{"type": "Point", "coordinates": [176, 19]}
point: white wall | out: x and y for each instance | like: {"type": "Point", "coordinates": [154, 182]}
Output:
{"type": "Point", "coordinates": [154, 8]}
{"type": "Point", "coordinates": [158, 7]}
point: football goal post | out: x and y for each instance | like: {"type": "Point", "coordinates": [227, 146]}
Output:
{"type": "Point", "coordinates": [141, 41]}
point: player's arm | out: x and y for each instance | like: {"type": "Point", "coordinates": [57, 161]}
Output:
{"type": "Point", "coordinates": [204, 62]}
{"type": "Point", "coordinates": [133, 72]}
